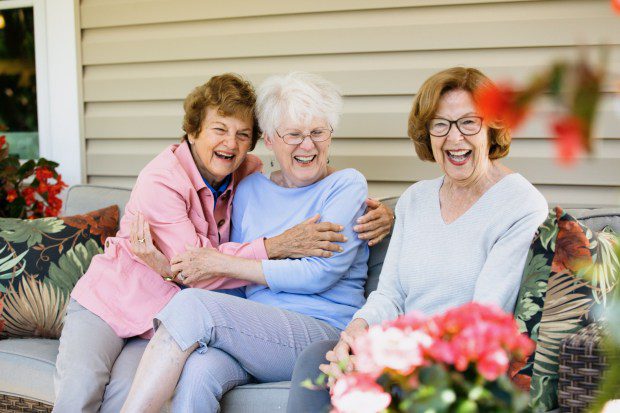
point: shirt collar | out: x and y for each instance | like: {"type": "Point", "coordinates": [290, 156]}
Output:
{"type": "Point", "coordinates": [222, 188]}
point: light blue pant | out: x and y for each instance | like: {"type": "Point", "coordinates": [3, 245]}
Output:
{"type": "Point", "coordinates": [239, 340]}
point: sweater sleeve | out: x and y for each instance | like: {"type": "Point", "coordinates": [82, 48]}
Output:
{"type": "Point", "coordinates": [313, 275]}
{"type": "Point", "coordinates": [166, 211]}
{"type": "Point", "coordinates": [388, 301]}
{"type": "Point", "coordinates": [500, 277]}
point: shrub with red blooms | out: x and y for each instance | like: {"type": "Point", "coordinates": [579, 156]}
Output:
{"type": "Point", "coordinates": [453, 362]}
{"type": "Point", "coordinates": [29, 189]}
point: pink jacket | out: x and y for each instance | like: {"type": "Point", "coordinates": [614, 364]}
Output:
{"type": "Point", "coordinates": [176, 202]}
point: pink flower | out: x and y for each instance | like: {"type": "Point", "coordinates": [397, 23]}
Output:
{"type": "Point", "coordinates": [493, 364]}
{"type": "Point", "coordinates": [358, 393]}
{"type": "Point", "coordinates": [392, 348]}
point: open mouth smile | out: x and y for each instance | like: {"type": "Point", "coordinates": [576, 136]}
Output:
{"type": "Point", "coordinates": [304, 160]}
{"type": "Point", "coordinates": [224, 155]}
{"type": "Point", "coordinates": [458, 157]}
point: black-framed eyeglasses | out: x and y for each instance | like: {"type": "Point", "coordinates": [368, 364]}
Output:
{"type": "Point", "coordinates": [467, 125]}
{"type": "Point", "coordinates": [316, 135]}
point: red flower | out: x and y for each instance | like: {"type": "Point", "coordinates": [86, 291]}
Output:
{"type": "Point", "coordinates": [43, 187]}
{"type": "Point", "coordinates": [615, 5]}
{"type": "Point", "coordinates": [499, 104]}
{"type": "Point", "coordinates": [11, 195]}
{"type": "Point", "coordinates": [568, 133]}
{"type": "Point", "coordinates": [28, 194]}
{"type": "Point", "coordinates": [2, 141]}
{"type": "Point", "coordinates": [43, 174]}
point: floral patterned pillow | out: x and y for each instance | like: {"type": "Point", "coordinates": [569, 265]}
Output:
{"type": "Point", "coordinates": [569, 273]}
{"type": "Point", "coordinates": [41, 260]}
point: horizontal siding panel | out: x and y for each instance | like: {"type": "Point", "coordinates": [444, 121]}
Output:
{"type": "Point", "coordinates": [388, 74]}
{"type": "Point", "coordinates": [363, 117]}
{"type": "Point", "coordinates": [110, 13]}
{"type": "Point", "coordinates": [538, 24]}
{"type": "Point", "coordinates": [141, 57]}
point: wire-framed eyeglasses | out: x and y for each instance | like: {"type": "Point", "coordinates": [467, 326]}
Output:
{"type": "Point", "coordinates": [467, 125]}
{"type": "Point", "coordinates": [297, 137]}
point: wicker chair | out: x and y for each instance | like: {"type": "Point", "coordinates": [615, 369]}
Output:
{"type": "Point", "coordinates": [582, 364]}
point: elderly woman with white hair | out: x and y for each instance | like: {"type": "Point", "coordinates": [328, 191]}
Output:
{"type": "Point", "coordinates": [210, 342]}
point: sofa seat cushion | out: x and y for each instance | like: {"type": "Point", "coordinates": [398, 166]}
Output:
{"type": "Point", "coordinates": [257, 398]}
{"type": "Point", "coordinates": [27, 368]}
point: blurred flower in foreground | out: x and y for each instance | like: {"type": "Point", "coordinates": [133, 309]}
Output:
{"type": "Point", "coordinates": [575, 89]}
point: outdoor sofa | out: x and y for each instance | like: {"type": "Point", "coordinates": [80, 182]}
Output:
{"type": "Point", "coordinates": [27, 365]}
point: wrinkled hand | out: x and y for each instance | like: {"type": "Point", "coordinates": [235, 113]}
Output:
{"type": "Point", "coordinates": [196, 264]}
{"type": "Point", "coordinates": [142, 247]}
{"type": "Point", "coordinates": [308, 239]}
{"type": "Point", "coordinates": [376, 224]}
{"type": "Point", "coordinates": [342, 352]}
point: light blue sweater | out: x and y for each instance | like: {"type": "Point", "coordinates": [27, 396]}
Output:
{"type": "Point", "coordinates": [329, 289]}
{"type": "Point", "coordinates": [431, 266]}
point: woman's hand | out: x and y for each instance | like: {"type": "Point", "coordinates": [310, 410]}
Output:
{"type": "Point", "coordinates": [198, 264]}
{"type": "Point", "coordinates": [342, 351]}
{"type": "Point", "coordinates": [308, 239]}
{"type": "Point", "coordinates": [376, 224]}
{"type": "Point", "coordinates": [142, 247]}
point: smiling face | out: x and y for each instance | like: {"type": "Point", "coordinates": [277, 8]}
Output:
{"type": "Point", "coordinates": [462, 158]}
{"type": "Point", "coordinates": [221, 145]}
{"type": "Point", "coordinates": [305, 163]}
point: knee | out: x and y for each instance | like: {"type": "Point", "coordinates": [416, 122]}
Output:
{"type": "Point", "coordinates": [187, 298]}
{"type": "Point", "coordinates": [314, 354]}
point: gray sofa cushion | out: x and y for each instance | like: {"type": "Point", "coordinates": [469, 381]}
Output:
{"type": "Point", "coordinates": [599, 218]}
{"type": "Point", "coordinates": [27, 368]}
{"type": "Point", "coordinates": [85, 198]}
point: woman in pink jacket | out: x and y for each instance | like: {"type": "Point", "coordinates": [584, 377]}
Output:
{"type": "Point", "coordinates": [185, 194]}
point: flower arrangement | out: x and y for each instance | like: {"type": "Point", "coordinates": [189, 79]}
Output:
{"type": "Point", "coordinates": [575, 89]}
{"type": "Point", "coordinates": [29, 190]}
{"type": "Point", "coordinates": [453, 362]}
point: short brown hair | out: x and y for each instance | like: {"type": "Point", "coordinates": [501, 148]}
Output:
{"type": "Point", "coordinates": [230, 94]}
{"type": "Point", "coordinates": [427, 100]}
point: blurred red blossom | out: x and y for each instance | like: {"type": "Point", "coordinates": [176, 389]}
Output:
{"type": "Point", "coordinates": [568, 134]}
{"type": "Point", "coordinates": [500, 104]}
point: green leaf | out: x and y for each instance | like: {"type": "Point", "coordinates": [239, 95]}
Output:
{"type": "Point", "coordinates": [8, 264]}
{"type": "Point", "coordinates": [549, 232]}
{"type": "Point", "coordinates": [29, 231]}
{"type": "Point", "coordinates": [71, 266]}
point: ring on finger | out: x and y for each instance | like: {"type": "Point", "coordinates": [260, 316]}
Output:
{"type": "Point", "coordinates": [141, 240]}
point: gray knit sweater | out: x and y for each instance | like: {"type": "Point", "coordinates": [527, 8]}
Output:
{"type": "Point", "coordinates": [431, 266]}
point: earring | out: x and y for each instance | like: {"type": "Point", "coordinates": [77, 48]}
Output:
{"type": "Point", "coordinates": [328, 161]}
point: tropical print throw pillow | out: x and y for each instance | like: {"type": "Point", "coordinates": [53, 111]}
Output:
{"type": "Point", "coordinates": [41, 260]}
{"type": "Point", "coordinates": [569, 274]}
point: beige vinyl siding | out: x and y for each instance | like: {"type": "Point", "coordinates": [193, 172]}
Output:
{"type": "Point", "coordinates": [140, 59]}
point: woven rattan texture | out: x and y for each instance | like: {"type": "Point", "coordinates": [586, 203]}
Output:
{"type": "Point", "coordinates": [582, 363]}
{"type": "Point", "coordinates": [12, 404]}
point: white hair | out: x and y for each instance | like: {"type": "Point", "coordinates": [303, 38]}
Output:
{"type": "Point", "coordinates": [299, 97]}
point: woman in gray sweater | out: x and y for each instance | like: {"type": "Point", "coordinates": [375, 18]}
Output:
{"type": "Point", "coordinates": [458, 238]}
